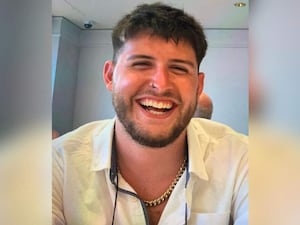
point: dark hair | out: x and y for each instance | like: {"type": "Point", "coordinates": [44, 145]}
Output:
{"type": "Point", "coordinates": [160, 20]}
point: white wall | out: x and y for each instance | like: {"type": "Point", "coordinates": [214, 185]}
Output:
{"type": "Point", "coordinates": [65, 40]}
{"type": "Point", "coordinates": [226, 68]}
{"type": "Point", "coordinates": [226, 80]}
{"type": "Point", "coordinates": [93, 101]}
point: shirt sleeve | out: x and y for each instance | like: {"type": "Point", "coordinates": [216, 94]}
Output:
{"type": "Point", "coordinates": [240, 198]}
{"type": "Point", "coordinates": [57, 189]}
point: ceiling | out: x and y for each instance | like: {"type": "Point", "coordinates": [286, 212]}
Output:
{"type": "Point", "coordinates": [212, 14]}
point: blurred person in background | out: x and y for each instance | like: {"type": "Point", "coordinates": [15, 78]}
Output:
{"type": "Point", "coordinates": [204, 107]}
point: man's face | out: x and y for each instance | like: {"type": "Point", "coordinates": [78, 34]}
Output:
{"type": "Point", "coordinates": [154, 85]}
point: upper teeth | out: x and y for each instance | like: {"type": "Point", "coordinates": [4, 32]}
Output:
{"type": "Point", "coordinates": [155, 104]}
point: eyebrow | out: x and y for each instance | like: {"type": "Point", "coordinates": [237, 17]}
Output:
{"type": "Point", "coordinates": [187, 62]}
{"type": "Point", "coordinates": [140, 56]}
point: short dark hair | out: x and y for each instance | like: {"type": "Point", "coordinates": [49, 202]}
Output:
{"type": "Point", "coordinates": [160, 20]}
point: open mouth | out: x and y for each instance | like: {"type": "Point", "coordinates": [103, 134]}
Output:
{"type": "Point", "coordinates": [156, 107]}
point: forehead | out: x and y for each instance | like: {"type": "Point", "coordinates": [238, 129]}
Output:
{"type": "Point", "coordinates": [152, 44]}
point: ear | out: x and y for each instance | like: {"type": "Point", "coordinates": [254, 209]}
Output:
{"type": "Point", "coordinates": [108, 74]}
{"type": "Point", "coordinates": [200, 82]}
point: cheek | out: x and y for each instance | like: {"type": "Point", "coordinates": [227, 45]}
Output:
{"type": "Point", "coordinates": [125, 83]}
{"type": "Point", "coordinates": [190, 88]}
{"type": "Point", "coordinates": [189, 93]}
{"type": "Point", "coordinates": [120, 80]}
{"type": "Point", "coordinates": [122, 85]}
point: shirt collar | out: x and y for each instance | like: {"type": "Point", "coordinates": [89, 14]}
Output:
{"type": "Point", "coordinates": [197, 143]}
{"type": "Point", "coordinates": [103, 143]}
{"type": "Point", "coordinates": [102, 146]}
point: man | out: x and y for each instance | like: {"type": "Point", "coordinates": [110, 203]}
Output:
{"type": "Point", "coordinates": [204, 107]}
{"type": "Point", "coordinates": [151, 164]}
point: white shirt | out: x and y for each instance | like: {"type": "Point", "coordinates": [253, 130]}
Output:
{"type": "Point", "coordinates": [217, 188]}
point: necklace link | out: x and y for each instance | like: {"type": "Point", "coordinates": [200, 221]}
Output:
{"type": "Point", "coordinates": [170, 189]}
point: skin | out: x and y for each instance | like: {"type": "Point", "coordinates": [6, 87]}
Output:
{"type": "Point", "coordinates": [155, 72]}
{"type": "Point", "coordinates": [204, 106]}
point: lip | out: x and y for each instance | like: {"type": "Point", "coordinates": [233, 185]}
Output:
{"type": "Point", "coordinates": [155, 107]}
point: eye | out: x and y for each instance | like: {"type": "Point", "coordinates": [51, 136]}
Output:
{"type": "Point", "coordinates": [141, 64]}
{"type": "Point", "coordinates": [179, 69]}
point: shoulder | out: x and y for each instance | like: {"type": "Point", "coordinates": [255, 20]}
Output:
{"type": "Point", "coordinates": [81, 136]}
{"type": "Point", "coordinates": [215, 129]}
{"type": "Point", "coordinates": [217, 135]}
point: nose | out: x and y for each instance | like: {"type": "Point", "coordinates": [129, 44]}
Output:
{"type": "Point", "coordinates": [160, 79]}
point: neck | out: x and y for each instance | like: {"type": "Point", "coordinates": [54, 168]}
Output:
{"type": "Point", "coordinates": [132, 155]}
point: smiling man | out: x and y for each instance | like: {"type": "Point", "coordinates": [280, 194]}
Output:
{"type": "Point", "coordinates": [152, 163]}
{"type": "Point", "coordinates": [154, 84]}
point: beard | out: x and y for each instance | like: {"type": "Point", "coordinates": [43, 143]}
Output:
{"type": "Point", "coordinates": [141, 135]}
